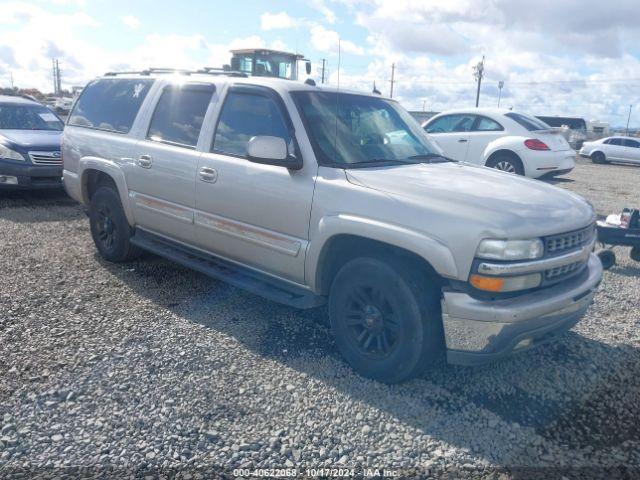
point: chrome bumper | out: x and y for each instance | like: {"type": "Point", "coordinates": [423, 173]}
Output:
{"type": "Point", "coordinates": [479, 331]}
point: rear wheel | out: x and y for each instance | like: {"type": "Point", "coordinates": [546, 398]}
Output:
{"type": "Point", "coordinates": [635, 254]}
{"type": "Point", "coordinates": [506, 163]}
{"type": "Point", "coordinates": [109, 227]}
{"type": "Point", "coordinates": [386, 319]}
{"type": "Point", "coordinates": [608, 259]}
{"type": "Point", "coordinates": [598, 157]}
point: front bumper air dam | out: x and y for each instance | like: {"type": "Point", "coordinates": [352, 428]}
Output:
{"type": "Point", "coordinates": [479, 331]}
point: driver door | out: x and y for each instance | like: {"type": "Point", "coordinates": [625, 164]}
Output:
{"type": "Point", "coordinates": [255, 214]}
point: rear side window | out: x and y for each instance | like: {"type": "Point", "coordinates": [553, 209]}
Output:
{"type": "Point", "coordinates": [530, 123]}
{"type": "Point", "coordinates": [616, 141]}
{"type": "Point", "coordinates": [179, 114]}
{"type": "Point", "coordinates": [631, 143]}
{"type": "Point", "coordinates": [246, 115]}
{"type": "Point", "coordinates": [451, 123]}
{"type": "Point", "coordinates": [110, 104]}
{"type": "Point", "coordinates": [485, 124]}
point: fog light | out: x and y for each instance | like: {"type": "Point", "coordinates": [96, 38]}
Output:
{"type": "Point", "coordinates": [8, 180]}
{"type": "Point", "coordinates": [505, 284]}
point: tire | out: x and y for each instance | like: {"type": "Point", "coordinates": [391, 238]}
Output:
{"type": "Point", "coordinates": [635, 254]}
{"type": "Point", "coordinates": [506, 163]}
{"type": "Point", "coordinates": [386, 319]}
{"type": "Point", "coordinates": [109, 227]}
{"type": "Point", "coordinates": [607, 258]}
{"type": "Point", "coordinates": [598, 157]}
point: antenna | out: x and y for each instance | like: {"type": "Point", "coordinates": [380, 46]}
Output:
{"type": "Point", "coordinates": [335, 140]}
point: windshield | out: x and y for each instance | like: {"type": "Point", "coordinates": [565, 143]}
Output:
{"type": "Point", "coordinates": [367, 130]}
{"type": "Point", "coordinates": [28, 117]}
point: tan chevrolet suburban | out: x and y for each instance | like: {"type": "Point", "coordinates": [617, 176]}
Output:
{"type": "Point", "coordinates": [306, 196]}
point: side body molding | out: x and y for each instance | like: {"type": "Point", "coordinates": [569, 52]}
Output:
{"type": "Point", "coordinates": [112, 169]}
{"type": "Point", "coordinates": [432, 250]}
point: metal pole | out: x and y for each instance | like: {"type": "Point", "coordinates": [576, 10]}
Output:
{"type": "Point", "coordinates": [500, 85]}
{"type": "Point", "coordinates": [322, 81]}
{"type": "Point", "coordinates": [393, 72]}
{"type": "Point", "coordinates": [628, 118]}
{"type": "Point", "coordinates": [478, 73]}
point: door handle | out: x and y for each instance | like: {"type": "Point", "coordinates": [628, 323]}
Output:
{"type": "Point", "coordinates": [144, 161]}
{"type": "Point", "coordinates": [208, 174]}
{"type": "Point", "coordinates": [462, 140]}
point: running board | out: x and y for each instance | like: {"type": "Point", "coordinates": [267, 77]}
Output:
{"type": "Point", "coordinates": [238, 276]}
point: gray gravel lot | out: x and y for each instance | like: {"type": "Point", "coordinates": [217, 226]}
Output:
{"type": "Point", "coordinates": [149, 368]}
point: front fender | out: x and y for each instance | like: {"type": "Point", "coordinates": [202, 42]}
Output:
{"type": "Point", "coordinates": [117, 175]}
{"type": "Point", "coordinates": [432, 250]}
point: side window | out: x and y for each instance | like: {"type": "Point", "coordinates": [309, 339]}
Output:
{"type": "Point", "coordinates": [607, 141]}
{"type": "Point", "coordinates": [616, 141]}
{"type": "Point", "coordinates": [484, 124]}
{"type": "Point", "coordinates": [631, 143]}
{"type": "Point", "coordinates": [246, 115]}
{"type": "Point", "coordinates": [451, 123]}
{"type": "Point", "coordinates": [110, 104]}
{"type": "Point", "coordinates": [179, 115]}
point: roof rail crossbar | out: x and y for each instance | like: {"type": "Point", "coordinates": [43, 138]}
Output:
{"type": "Point", "coordinates": [222, 71]}
{"type": "Point", "coordinates": [181, 71]}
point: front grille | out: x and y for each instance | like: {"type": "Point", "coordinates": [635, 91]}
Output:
{"type": "Point", "coordinates": [559, 273]}
{"type": "Point", "coordinates": [558, 244]}
{"type": "Point", "coordinates": [46, 158]}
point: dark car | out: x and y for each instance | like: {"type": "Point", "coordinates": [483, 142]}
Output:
{"type": "Point", "coordinates": [29, 144]}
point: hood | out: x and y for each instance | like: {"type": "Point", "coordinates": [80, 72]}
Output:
{"type": "Point", "coordinates": [32, 139]}
{"type": "Point", "coordinates": [505, 204]}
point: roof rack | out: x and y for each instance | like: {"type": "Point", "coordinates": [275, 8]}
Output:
{"type": "Point", "coordinates": [180, 71]}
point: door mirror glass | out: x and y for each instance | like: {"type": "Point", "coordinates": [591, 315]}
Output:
{"type": "Point", "coordinates": [308, 67]}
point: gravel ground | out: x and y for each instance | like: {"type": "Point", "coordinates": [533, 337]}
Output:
{"type": "Point", "coordinates": [148, 368]}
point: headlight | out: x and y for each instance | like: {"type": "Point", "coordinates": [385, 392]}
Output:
{"type": "Point", "coordinates": [510, 249]}
{"type": "Point", "coordinates": [10, 154]}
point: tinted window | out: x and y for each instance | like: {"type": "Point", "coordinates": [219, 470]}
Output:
{"type": "Point", "coordinates": [451, 123]}
{"type": "Point", "coordinates": [28, 117]}
{"type": "Point", "coordinates": [179, 115]}
{"type": "Point", "coordinates": [571, 122]}
{"type": "Point", "coordinates": [616, 141]}
{"type": "Point", "coordinates": [631, 143]}
{"type": "Point", "coordinates": [485, 124]}
{"type": "Point", "coordinates": [347, 130]}
{"type": "Point", "coordinates": [530, 123]}
{"type": "Point", "coordinates": [110, 104]}
{"type": "Point", "coordinates": [246, 115]}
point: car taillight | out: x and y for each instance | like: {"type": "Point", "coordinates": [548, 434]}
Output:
{"type": "Point", "coordinates": [535, 144]}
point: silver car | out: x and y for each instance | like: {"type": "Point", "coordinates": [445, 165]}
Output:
{"type": "Point", "coordinates": [612, 149]}
{"type": "Point", "coordinates": [309, 196]}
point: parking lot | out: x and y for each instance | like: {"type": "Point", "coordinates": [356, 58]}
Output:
{"type": "Point", "coordinates": [147, 367]}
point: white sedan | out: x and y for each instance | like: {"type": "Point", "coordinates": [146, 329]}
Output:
{"type": "Point", "coordinates": [502, 139]}
{"type": "Point", "coordinates": [612, 149]}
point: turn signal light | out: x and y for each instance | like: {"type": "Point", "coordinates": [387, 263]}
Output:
{"type": "Point", "coordinates": [535, 144]}
{"type": "Point", "coordinates": [489, 284]}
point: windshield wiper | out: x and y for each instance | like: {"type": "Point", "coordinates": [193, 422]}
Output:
{"type": "Point", "coordinates": [378, 162]}
{"type": "Point", "coordinates": [432, 158]}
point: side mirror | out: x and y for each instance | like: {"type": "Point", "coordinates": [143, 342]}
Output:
{"type": "Point", "coordinates": [307, 67]}
{"type": "Point", "coordinates": [269, 150]}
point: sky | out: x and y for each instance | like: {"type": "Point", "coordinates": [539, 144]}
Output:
{"type": "Point", "coordinates": [571, 57]}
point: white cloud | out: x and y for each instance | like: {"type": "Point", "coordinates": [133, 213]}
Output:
{"type": "Point", "coordinates": [326, 12]}
{"type": "Point", "coordinates": [273, 21]}
{"type": "Point", "coordinates": [325, 40]}
{"type": "Point", "coordinates": [131, 21]}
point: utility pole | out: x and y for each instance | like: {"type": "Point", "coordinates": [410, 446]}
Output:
{"type": "Point", "coordinates": [393, 75]}
{"type": "Point", "coordinates": [500, 85]}
{"type": "Point", "coordinates": [424, 102]}
{"type": "Point", "coordinates": [11, 76]}
{"type": "Point", "coordinates": [322, 81]}
{"type": "Point", "coordinates": [478, 72]}
{"type": "Point", "coordinates": [57, 83]}
{"type": "Point", "coordinates": [628, 118]}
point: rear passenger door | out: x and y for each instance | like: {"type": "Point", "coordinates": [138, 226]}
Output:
{"type": "Point", "coordinates": [162, 175]}
{"type": "Point", "coordinates": [631, 150]}
{"type": "Point", "coordinates": [247, 212]}
{"type": "Point", "coordinates": [615, 149]}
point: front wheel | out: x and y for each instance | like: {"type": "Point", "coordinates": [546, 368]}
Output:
{"type": "Point", "coordinates": [109, 227]}
{"type": "Point", "coordinates": [507, 163]}
{"type": "Point", "coordinates": [385, 319]}
{"type": "Point", "coordinates": [598, 157]}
